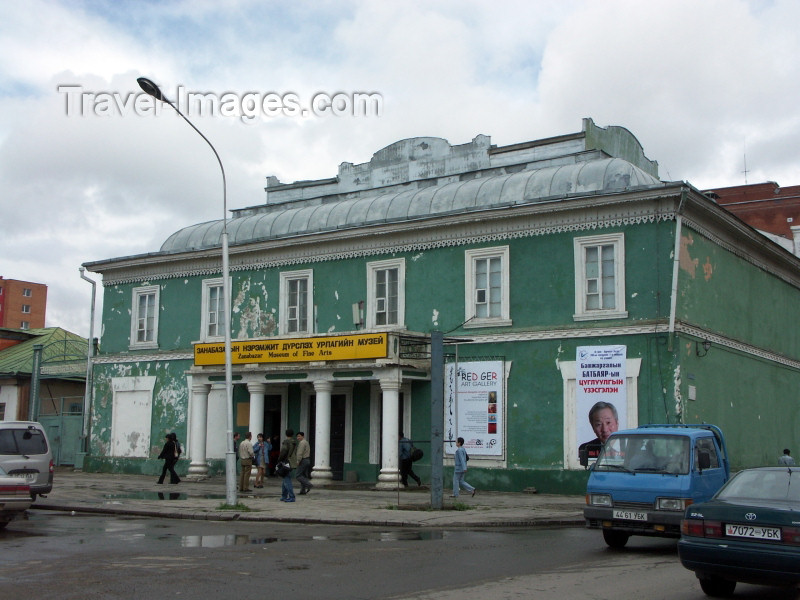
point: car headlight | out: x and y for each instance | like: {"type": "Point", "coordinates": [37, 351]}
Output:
{"type": "Point", "coordinates": [599, 499]}
{"type": "Point", "coordinates": [675, 504]}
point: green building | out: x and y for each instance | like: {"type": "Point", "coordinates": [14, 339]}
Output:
{"type": "Point", "coordinates": [528, 257]}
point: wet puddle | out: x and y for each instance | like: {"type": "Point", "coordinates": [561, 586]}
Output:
{"type": "Point", "coordinates": [218, 541]}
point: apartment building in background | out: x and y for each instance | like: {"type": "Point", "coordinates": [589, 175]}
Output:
{"type": "Point", "coordinates": [23, 304]}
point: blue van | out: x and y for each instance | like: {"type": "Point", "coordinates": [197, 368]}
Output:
{"type": "Point", "coordinates": [644, 479]}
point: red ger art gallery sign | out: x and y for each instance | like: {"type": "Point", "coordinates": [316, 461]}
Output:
{"type": "Point", "coordinates": [474, 407]}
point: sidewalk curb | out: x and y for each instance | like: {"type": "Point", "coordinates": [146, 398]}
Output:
{"type": "Point", "coordinates": [249, 517]}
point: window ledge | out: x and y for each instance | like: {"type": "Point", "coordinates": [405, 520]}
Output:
{"type": "Point", "coordinates": [144, 346]}
{"type": "Point", "coordinates": [474, 323]}
{"type": "Point", "coordinates": [600, 314]}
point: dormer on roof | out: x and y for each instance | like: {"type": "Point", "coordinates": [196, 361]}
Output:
{"type": "Point", "coordinates": [416, 163]}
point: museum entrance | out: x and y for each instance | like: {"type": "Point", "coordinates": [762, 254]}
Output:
{"type": "Point", "coordinates": [338, 412]}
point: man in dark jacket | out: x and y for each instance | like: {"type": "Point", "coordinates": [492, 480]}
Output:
{"type": "Point", "coordinates": [288, 454]}
{"type": "Point", "coordinates": [170, 454]}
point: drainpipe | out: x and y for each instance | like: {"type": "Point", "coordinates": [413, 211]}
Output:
{"type": "Point", "coordinates": [87, 395]}
{"type": "Point", "coordinates": [675, 271]}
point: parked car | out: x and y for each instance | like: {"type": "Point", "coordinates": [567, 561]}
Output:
{"type": "Point", "coordinates": [645, 478]}
{"type": "Point", "coordinates": [25, 453]}
{"type": "Point", "coordinates": [749, 532]}
{"type": "Point", "coordinates": [15, 498]}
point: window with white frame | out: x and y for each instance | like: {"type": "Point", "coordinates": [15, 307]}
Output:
{"type": "Point", "coordinates": [25, 325]}
{"type": "Point", "coordinates": [600, 277]}
{"type": "Point", "coordinates": [296, 301]}
{"type": "Point", "coordinates": [27, 292]}
{"type": "Point", "coordinates": [26, 309]}
{"type": "Point", "coordinates": [213, 307]}
{"type": "Point", "coordinates": [144, 317]}
{"type": "Point", "coordinates": [386, 291]}
{"type": "Point", "coordinates": [486, 287]}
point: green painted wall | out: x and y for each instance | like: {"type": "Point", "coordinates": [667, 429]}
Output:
{"type": "Point", "coordinates": [542, 293]}
{"type": "Point", "coordinates": [724, 293]}
{"type": "Point", "coordinates": [750, 397]}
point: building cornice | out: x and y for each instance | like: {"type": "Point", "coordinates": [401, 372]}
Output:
{"type": "Point", "coordinates": [475, 338]}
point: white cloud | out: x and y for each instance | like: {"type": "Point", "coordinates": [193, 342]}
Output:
{"type": "Point", "coordinates": [698, 83]}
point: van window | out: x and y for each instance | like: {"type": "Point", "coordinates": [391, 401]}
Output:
{"type": "Point", "coordinates": [707, 445]}
{"type": "Point", "coordinates": [22, 441]}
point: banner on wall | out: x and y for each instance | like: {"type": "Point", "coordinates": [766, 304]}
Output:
{"type": "Point", "coordinates": [600, 395]}
{"type": "Point", "coordinates": [474, 407]}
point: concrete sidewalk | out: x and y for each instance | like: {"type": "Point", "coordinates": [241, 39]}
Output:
{"type": "Point", "coordinates": [349, 504]}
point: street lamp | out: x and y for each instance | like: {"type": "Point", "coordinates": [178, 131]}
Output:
{"type": "Point", "coordinates": [153, 90]}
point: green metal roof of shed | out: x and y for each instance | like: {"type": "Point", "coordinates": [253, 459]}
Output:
{"type": "Point", "coordinates": [59, 345]}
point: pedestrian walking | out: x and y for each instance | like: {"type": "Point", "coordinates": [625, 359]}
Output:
{"type": "Point", "coordinates": [786, 459]}
{"type": "Point", "coordinates": [288, 454]}
{"type": "Point", "coordinates": [170, 454]}
{"type": "Point", "coordinates": [246, 455]}
{"type": "Point", "coordinates": [303, 463]}
{"type": "Point", "coordinates": [460, 470]}
{"type": "Point", "coordinates": [236, 451]}
{"type": "Point", "coordinates": [261, 450]}
{"type": "Point", "coordinates": [406, 464]}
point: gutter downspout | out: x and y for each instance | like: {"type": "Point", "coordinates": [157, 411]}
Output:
{"type": "Point", "coordinates": [88, 391]}
{"type": "Point", "coordinates": [673, 302]}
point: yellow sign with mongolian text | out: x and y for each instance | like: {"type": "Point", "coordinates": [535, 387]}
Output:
{"type": "Point", "coordinates": [340, 347]}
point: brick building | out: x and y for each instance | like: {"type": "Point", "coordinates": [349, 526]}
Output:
{"type": "Point", "coordinates": [22, 304]}
{"type": "Point", "coordinates": [768, 207]}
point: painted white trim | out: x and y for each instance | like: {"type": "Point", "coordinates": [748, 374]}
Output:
{"type": "Point", "coordinates": [371, 308]}
{"type": "Point", "coordinates": [283, 316]}
{"type": "Point", "coordinates": [580, 244]}
{"type": "Point", "coordinates": [470, 256]}
{"type": "Point", "coordinates": [205, 303]}
{"type": "Point", "coordinates": [135, 295]}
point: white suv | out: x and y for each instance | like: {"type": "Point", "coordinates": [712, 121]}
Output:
{"type": "Point", "coordinates": [25, 453]}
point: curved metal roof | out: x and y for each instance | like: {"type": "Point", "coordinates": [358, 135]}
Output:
{"type": "Point", "coordinates": [596, 176]}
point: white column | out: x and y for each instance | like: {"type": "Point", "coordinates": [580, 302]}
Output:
{"type": "Point", "coordinates": [389, 477]}
{"type": "Point", "coordinates": [198, 467]}
{"type": "Point", "coordinates": [257, 390]}
{"type": "Point", "coordinates": [321, 473]}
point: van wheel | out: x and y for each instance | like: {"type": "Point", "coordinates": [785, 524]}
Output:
{"type": "Point", "coordinates": [615, 539]}
{"type": "Point", "coordinates": [717, 587]}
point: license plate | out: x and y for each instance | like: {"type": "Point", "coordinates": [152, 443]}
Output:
{"type": "Point", "coordinates": [750, 531]}
{"type": "Point", "coordinates": [28, 477]}
{"type": "Point", "coordinates": [630, 515]}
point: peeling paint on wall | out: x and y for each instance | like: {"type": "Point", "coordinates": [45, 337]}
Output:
{"type": "Point", "coordinates": [687, 263]}
{"type": "Point", "coordinates": [435, 318]}
{"type": "Point", "coordinates": [253, 321]}
{"type": "Point", "coordinates": [708, 269]}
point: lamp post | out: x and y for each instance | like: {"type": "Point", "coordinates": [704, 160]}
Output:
{"type": "Point", "coordinates": [153, 90]}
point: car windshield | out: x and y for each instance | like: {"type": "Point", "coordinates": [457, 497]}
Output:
{"type": "Point", "coordinates": [763, 484]}
{"type": "Point", "coordinates": [22, 441]}
{"type": "Point", "coordinates": [668, 454]}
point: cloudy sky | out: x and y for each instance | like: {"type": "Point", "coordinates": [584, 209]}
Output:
{"type": "Point", "coordinates": [90, 171]}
